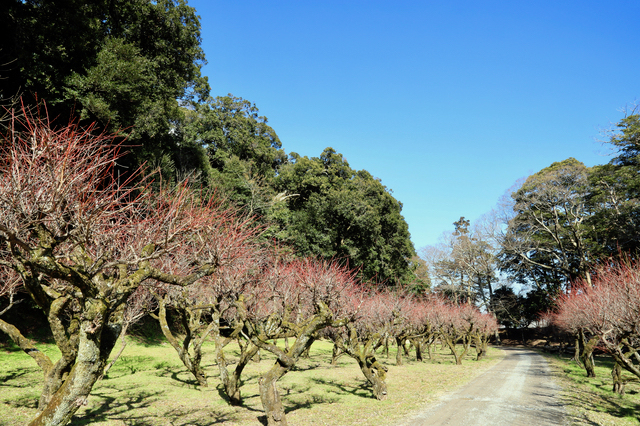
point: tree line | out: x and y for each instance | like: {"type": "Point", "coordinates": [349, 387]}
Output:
{"type": "Point", "coordinates": [554, 228]}
{"type": "Point", "coordinates": [569, 234]}
{"type": "Point", "coordinates": [133, 68]}
{"type": "Point", "coordinates": [98, 97]}
{"type": "Point", "coordinates": [95, 253]}
{"type": "Point", "coordinates": [127, 190]}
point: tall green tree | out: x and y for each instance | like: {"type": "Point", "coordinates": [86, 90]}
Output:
{"type": "Point", "coordinates": [547, 242]}
{"type": "Point", "coordinates": [244, 153]}
{"type": "Point", "coordinates": [125, 64]}
{"type": "Point", "coordinates": [333, 211]}
{"type": "Point", "coordinates": [614, 193]}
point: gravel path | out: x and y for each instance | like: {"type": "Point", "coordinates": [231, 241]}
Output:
{"type": "Point", "coordinates": [518, 391]}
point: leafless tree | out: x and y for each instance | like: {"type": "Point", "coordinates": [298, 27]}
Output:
{"type": "Point", "coordinates": [82, 242]}
{"type": "Point", "coordinates": [608, 308]}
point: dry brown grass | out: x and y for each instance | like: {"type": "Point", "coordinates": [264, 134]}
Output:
{"type": "Point", "coordinates": [149, 386]}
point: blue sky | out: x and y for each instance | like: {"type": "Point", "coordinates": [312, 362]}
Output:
{"type": "Point", "coordinates": [448, 103]}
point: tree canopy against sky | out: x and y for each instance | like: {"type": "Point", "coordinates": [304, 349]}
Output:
{"type": "Point", "coordinates": [337, 212]}
{"type": "Point", "coordinates": [430, 96]}
{"type": "Point", "coordinates": [125, 64]}
{"type": "Point", "coordinates": [243, 153]}
{"type": "Point", "coordinates": [614, 192]}
{"type": "Point", "coordinates": [134, 67]}
{"type": "Point", "coordinates": [548, 232]}
{"type": "Point", "coordinates": [136, 64]}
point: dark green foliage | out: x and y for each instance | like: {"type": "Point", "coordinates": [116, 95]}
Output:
{"type": "Point", "coordinates": [243, 151]}
{"type": "Point", "coordinates": [232, 127]}
{"type": "Point", "coordinates": [507, 307]}
{"type": "Point", "coordinates": [334, 211]}
{"type": "Point", "coordinates": [127, 64]}
{"type": "Point", "coordinates": [517, 311]}
{"type": "Point", "coordinates": [614, 194]}
{"type": "Point", "coordinates": [422, 281]}
{"type": "Point", "coordinates": [133, 67]}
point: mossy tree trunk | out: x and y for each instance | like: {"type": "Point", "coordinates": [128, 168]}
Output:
{"type": "Point", "coordinates": [586, 352]}
{"type": "Point", "coordinates": [307, 352]}
{"type": "Point", "coordinates": [335, 354]}
{"type": "Point", "coordinates": [286, 360]}
{"type": "Point", "coordinates": [232, 382]}
{"type": "Point", "coordinates": [375, 373]}
{"type": "Point", "coordinates": [417, 343]}
{"type": "Point", "coordinates": [96, 339]}
{"type": "Point", "coordinates": [400, 343]}
{"type": "Point", "coordinates": [482, 341]}
{"type": "Point", "coordinates": [616, 374]}
{"type": "Point", "coordinates": [361, 348]}
{"type": "Point", "coordinates": [451, 339]}
{"type": "Point", "coordinates": [190, 349]}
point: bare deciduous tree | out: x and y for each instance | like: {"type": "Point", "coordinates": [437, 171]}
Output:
{"type": "Point", "coordinates": [82, 242]}
{"type": "Point", "coordinates": [608, 308]}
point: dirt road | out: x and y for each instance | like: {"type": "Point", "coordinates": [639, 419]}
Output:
{"type": "Point", "coordinates": [518, 391]}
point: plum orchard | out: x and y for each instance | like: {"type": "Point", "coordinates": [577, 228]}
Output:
{"type": "Point", "coordinates": [94, 252]}
{"type": "Point", "coordinates": [608, 312]}
{"type": "Point", "coordinates": [82, 243]}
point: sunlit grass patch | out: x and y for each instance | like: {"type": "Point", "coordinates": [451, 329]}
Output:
{"type": "Point", "coordinates": [591, 401]}
{"type": "Point", "coordinates": [148, 385]}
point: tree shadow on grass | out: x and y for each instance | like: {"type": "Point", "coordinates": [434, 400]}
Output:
{"type": "Point", "coordinates": [190, 382]}
{"type": "Point", "coordinates": [13, 375]}
{"type": "Point", "coordinates": [23, 402]}
{"type": "Point", "coordinates": [363, 390]}
{"type": "Point", "coordinates": [175, 372]}
{"type": "Point", "coordinates": [130, 406]}
{"type": "Point", "coordinates": [112, 402]}
{"type": "Point", "coordinates": [225, 397]}
{"type": "Point", "coordinates": [300, 398]}
{"type": "Point", "coordinates": [180, 417]}
{"type": "Point", "coordinates": [309, 401]}
{"type": "Point", "coordinates": [306, 366]}
{"type": "Point", "coordinates": [613, 406]}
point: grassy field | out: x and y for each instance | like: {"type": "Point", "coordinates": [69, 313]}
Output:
{"type": "Point", "coordinates": [149, 386]}
{"type": "Point", "coordinates": [590, 401]}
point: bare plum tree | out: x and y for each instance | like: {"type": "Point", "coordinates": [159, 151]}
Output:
{"type": "Point", "coordinates": [82, 242]}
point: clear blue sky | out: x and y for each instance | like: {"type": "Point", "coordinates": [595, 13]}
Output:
{"type": "Point", "coordinates": [448, 103]}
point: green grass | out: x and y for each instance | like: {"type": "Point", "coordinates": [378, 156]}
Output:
{"type": "Point", "coordinates": [591, 401]}
{"type": "Point", "coordinates": [149, 386]}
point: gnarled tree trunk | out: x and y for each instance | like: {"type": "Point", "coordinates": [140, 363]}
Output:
{"type": "Point", "coordinates": [190, 351]}
{"type": "Point", "coordinates": [286, 361]}
{"type": "Point", "coordinates": [96, 341]}
{"type": "Point", "coordinates": [616, 374]}
{"type": "Point", "coordinates": [269, 395]}
{"type": "Point", "coordinates": [336, 353]}
{"type": "Point", "coordinates": [586, 352]}
{"type": "Point", "coordinates": [231, 382]}
{"type": "Point", "coordinates": [417, 343]}
{"type": "Point", "coordinates": [375, 373]}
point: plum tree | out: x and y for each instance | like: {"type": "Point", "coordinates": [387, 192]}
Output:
{"type": "Point", "coordinates": [82, 242]}
{"type": "Point", "coordinates": [609, 310]}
